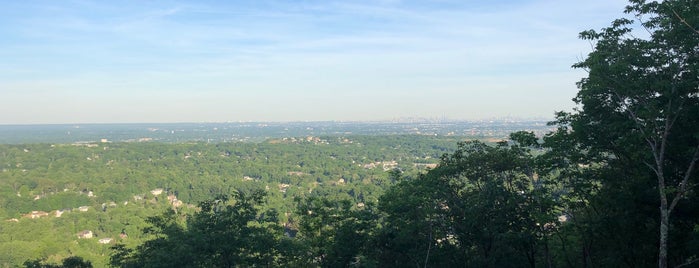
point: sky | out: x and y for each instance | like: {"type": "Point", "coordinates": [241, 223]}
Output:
{"type": "Point", "coordinates": [81, 61]}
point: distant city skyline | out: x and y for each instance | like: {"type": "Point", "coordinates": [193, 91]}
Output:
{"type": "Point", "coordinates": [67, 62]}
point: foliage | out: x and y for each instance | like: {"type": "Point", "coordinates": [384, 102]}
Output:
{"type": "Point", "coordinates": [336, 233]}
{"type": "Point", "coordinates": [224, 233]}
{"type": "Point", "coordinates": [483, 206]}
{"type": "Point", "coordinates": [114, 179]}
{"type": "Point", "coordinates": [638, 123]}
{"type": "Point", "coordinates": [70, 262]}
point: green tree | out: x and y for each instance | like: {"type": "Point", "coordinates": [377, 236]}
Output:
{"type": "Point", "coordinates": [640, 101]}
{"type": "Point", "coordinates": [335, 232]}
{"type": "Point", "coordinates": [70, 262]}
{"type": "Point", "coordinates": [484, 206]}
{"type": "Point", "coordinates": [413, 221]}
{"type": "Point", "coordinates": [225, 233]}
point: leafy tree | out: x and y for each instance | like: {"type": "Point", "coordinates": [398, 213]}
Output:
{"type": "Point", "coordinates": [501, 203]}
{"type": "Point", "coordinates": [483, 205]}
{"type": "Point", "coordinates": [640, 101]}
{"type": "Point", "coordinates": [76, 262]}
{"type": "Point", "coordinates": [412, 223]}
{"type": "Point", "coordinates": [70, 262]}
{"type": "Point", "coordinates": [225, 233]}
{"type": "Point", "coordinates": [334, 232]}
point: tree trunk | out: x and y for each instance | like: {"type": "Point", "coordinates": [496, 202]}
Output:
{"type": "Point", "coordinates": [585, 257]}
{"type": "Point", "coordinates": [664, 229]}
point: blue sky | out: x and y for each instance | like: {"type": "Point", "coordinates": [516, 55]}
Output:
{"type": "Point", "coordinates": [217, 61]}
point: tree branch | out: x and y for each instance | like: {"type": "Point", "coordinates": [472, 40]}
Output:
{"type": "Point", "coordinates": [429, 246]}
{"type": "Point", "coordinates": [651, 167]}
{"type": "Point", "coordinates": [685, 180]}
{"type": "Point", "coordinates": [652, 142]}
{"type": "Point", "coordinates": [684, 21]}
{"type": "Point", "coordinates": [690, 261]}
{"type": "Point", "coordinates": [663, 139]}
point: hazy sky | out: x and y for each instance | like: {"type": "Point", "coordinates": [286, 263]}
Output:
{"type": "Point", "coordinates": [216, 61]}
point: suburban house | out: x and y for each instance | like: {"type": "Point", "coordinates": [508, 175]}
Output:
{"type": "Point", "coordinates": [173, 201]}
{"type": "Point", "coordinates": [157, 191]}
{"type": "Point", "coordinates": [36, 214]}
{"type": "Point", "coordinates": [60, 212]}
{"type": "Point", "coordinates": [85, 234]}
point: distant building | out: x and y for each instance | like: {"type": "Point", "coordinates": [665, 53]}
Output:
{"type": "Point", "coordinates": [389, 165]}
{"type": "Point", "coordinates": [105, 240]}
{"type": "Point", "coordinates": [157, 191]}
{"type": "Point", "coordinates": [283, 187]}
{"type": "Point", "coordinates": [85, 234]}
{"type": "Point", "coordinates": [173, 201]}
{"type": "Point", "coordinates": [36, 214]}
{"type": "Point", "coordinates": [425, 166]}
{"type": "Point", "coordinates": [84, 208]}
{"type": "Point", "coordinates": [59, 213]}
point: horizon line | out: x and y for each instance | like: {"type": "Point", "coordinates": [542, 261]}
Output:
{"type": "Point", "coordinates": [397, 120]}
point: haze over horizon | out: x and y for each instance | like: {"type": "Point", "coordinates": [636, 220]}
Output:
{"type": "Point", "coordinates": [203, 61]}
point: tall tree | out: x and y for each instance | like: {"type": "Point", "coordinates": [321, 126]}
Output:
{"type": "Point", "coordinates": [483, 206]}
{"type": "Point", "coordinates": [69, 262]}
{"type": "Point", "coordinates": [640, 101]}
{"type": "Point", "coordinates": [334, 232]}
{"type": "Point", "coordinates": [224, 233]}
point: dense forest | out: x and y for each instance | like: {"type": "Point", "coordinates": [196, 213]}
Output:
{"type": "Point", "coordinates": [613, 185]}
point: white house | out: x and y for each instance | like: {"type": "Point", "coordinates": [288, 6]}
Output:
{"type": "Point", "coordinates": [85, 234]}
